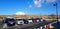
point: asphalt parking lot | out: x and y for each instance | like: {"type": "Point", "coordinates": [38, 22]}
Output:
{"type": "Point", "coordinates": [26, 26]}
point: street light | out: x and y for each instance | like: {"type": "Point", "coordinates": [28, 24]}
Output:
{"type": "Point", "coordinates": [56, 5]}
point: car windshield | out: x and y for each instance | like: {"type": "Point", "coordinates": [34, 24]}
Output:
{"type": "Point", "coordinates": [10, 19]}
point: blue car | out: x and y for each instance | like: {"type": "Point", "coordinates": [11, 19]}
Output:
{"type": "Point", "coordinates": [9, 21]}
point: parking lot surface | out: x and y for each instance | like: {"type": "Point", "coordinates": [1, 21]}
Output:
{"type": "Point", "coordinates": [26, 26]}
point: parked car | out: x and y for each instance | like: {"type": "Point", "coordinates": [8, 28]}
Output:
{"type": "Point", "coordinates": [19, 21]}
{"type": "Point", "coordinates": [9, 21]}
{"type": "Point", "coordinates": [33, 20]}
{"type": "Point", "coordinates": [25, 21]}
{"type": "Point", "coordinates": [30, 20]}
{"type": "Point", "coordinates": [39, 19]}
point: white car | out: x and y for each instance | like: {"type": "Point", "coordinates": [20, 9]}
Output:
{"type": "Point", "coordinates": [30, 20]}
{"type": "Point", "coordinates": [20, 21]}
{"type": "Point", "coordinates": [59, 20]}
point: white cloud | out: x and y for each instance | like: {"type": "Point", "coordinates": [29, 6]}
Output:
{"type": "Point", "coordinates": [50, 1]}
{"type": "Point", "coordinates": [38, 3]}
{"type": "Point", "coordinates": [20, 13]}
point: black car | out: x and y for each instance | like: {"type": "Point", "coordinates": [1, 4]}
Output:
{"type": "Point", "coordinates": [25, 21]}
{"type": "Point", "coordinates": [9, 21]}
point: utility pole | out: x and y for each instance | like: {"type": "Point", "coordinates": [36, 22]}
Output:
{"type": "Point", "coordinates": [56, 5]}
{"type": "Point", "coordinates": [57, 13]}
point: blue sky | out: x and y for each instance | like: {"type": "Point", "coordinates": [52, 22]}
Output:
{"type": "Point", "coordinates": [28, 6]}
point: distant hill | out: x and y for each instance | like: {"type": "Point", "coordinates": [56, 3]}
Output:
{"type": "Point", "coordinates": [30, 16]}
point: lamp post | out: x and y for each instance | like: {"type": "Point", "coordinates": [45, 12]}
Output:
{"type": "Point", "coordinates": [56, 5]}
